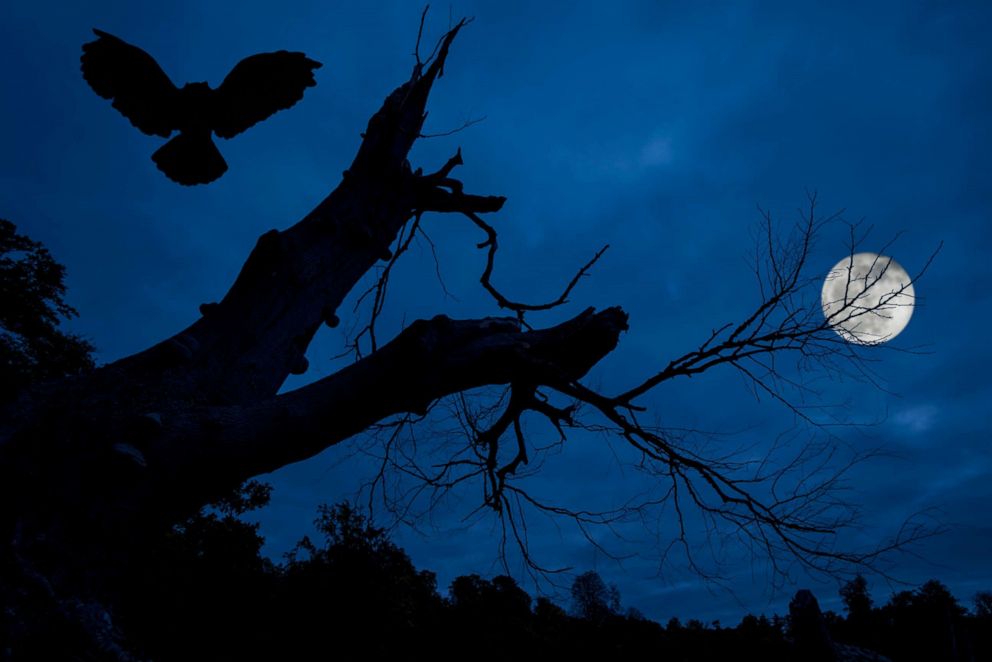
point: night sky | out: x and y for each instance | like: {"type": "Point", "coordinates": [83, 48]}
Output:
{"type": "Point", "coordinates": [656, 127]}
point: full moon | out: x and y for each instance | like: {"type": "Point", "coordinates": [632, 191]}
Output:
{"type": "Point", "coordinates": [868, 298]}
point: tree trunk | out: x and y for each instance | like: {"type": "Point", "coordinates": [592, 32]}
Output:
{"type": "Point", "coordinates": [92, 466]}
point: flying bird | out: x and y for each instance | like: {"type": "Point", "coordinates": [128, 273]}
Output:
{"type": "Point", "coordinates": [257, 87]}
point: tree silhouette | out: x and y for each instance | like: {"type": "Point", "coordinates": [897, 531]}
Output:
{"type": "Point", "coordinates": [360, 584]}
{"type": "Point", "coordinates": [856, 599]}
{"type": "Point", "coordinates": [204, 580]}
{"type": "Point", "coordinates": [592, 599]}
{"type": "Point", "coordinates": [95, 467]}
{"type": "Point", "coordinates": [32, 290]}
{"type": "Point", "coordinates": [983, 605]}
{"type": "Point", "coordinates": [859, 626]}
{"type": "Point", "coordinates": [923, 624]}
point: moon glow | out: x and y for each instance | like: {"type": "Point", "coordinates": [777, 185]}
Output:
{"type": "Point", "coordinates": [868, 298]}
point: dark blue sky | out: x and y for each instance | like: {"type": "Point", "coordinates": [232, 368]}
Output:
{"type": "Point", "coordinates": [655, 127]}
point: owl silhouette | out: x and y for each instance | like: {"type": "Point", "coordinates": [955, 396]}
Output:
{"type": "Point", "coordinates": [257, 87]}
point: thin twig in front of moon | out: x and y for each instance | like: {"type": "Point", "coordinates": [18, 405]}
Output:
{"type": "Point", "coordinates": [868, 298]}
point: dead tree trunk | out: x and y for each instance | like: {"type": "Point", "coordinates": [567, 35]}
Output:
{"type": "Point", "coordinates": [91, 466]}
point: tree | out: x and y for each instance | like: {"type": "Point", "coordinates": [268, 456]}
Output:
{"type": "Point", "coordinates": [859, 626]}
{"type": "Point", "coordinates": [95, 466]}
{"type": "Point", "coordinates": [857, 600]}
{"type": "Point", "coordinates": [205, 579]}
{"type": "Point", "coordinates": [32, 290]}
{"type": "Point", "coordinates": [924, 624]}
{"type": "Point", "coordinates": [983, 605]}
{"type": "Point", "coordinates": [592, 599]}
{"type": "Point", "coordinates": [493, 616]}
{"type": "Point", "coordinates": [33, 349]}
{"type": "Point", "coordinates": [359, 582]}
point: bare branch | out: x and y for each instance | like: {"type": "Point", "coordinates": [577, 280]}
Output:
{"type": "Point", "coordinates": [502, 301]}
{"type": "Point", "coordinates": [785, 509]}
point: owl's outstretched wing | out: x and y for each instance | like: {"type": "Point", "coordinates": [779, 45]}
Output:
{"type": "Point", "coordinates": [139, 88]}
{"type": "Point", "coordinates": [259, 86]}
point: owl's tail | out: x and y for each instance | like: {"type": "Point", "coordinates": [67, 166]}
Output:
{"type": "Point", "coordinates": [190, 158]}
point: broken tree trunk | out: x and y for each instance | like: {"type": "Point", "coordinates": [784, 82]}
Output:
{"type": "Point", "coordinates": [91, 466]}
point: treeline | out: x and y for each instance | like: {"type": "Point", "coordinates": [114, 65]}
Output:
{"type": "Point", "coordinates": [207, 593]}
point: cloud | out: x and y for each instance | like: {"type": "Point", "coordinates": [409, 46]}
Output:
{"type": "Point", "coordinates": [918, 419]}
{"type": "Point", "coordinates": [657, 152]}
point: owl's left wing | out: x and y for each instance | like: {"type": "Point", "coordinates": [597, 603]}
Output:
{"type": "Point", "coordinates": [259, 86]}
{"type": "Point", "coordinates": [140, 90]}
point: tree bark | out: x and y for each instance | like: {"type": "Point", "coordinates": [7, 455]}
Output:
{"type": "Point", "coordinates": [91, 466]}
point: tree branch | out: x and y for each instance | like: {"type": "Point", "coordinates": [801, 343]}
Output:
{"type": "Point", "coordinates": [428, 360]}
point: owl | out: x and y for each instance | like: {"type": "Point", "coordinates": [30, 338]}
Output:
{"type": "Point", "coordinates": [257, 87]}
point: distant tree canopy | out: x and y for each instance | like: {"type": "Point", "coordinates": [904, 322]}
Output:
{"type": "Point", "coordinates": [592, 599]}
{"type": "Point", "coordinates": [983, 604]}
{"type": "Point", "coordinates": [856, 599]}
{"type": "Point", "coordinates": [358, 595]}
{"type": "Point", "coordinates": [360, 582]}
{"type": "Point", "coordinates": [32, 287]}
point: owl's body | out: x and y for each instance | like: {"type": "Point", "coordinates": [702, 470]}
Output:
{"type": "Point", "coordinates": [257, 87]}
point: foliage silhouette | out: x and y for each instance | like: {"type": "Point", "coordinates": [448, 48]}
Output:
{"type": "Point", "coordinates": [858, 604]}
{"type": "Point", "coordinates": [358, 594]}
{"type": "Point", "coordinates": [205, 587]}
{"type": "Point", "coordinates": [592, 599]}
{"type": "Point", "coordinates": [32, 289]}
{"type": "Point", "coordinates": [34, 351]}
{"type": "Point", "coordinates": [494, 615]}
{"type": "Point", "coordinates": [857, 600]}
{"type": "Point", "coordinates": [927, 623]}
{"type": "Point", "coordinates": [362, 584]}
{"type": "Point", "coordinates": [983, 604]}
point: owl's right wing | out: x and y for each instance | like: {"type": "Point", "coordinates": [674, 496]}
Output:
{"type": "Point", "coordinates": [259, 86]}
{"type": "Point", "coordinates": [139, 88]}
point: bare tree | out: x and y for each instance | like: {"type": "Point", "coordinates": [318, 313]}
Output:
{"type": "Point", "coordinates": [93, 465]}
